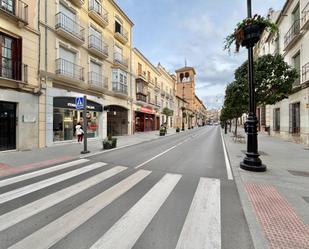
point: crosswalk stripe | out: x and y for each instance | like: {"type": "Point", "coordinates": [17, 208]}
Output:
{"type": "Point", "coordinates": [48, 182]}
{"type": "Point", "coordinates": [202, 227]}
{"type": "Point", "coordinates": [126, 231]}
{"type": "Point", "coordinates": [59, 228]}
{"type": "Point", "coordinates": [41, 172]}
{"type": "Point", "coordinates": [9, 219]}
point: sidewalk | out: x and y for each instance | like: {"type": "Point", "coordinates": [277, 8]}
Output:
{"type": "Point", "coordinates": [18, 161]}
{"type": "Point", "coordinates": [275, 202]}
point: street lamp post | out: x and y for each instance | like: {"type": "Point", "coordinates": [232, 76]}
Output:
{"type": "Point", "coordinates": [183, 103]}
{"type": "Point", "coordinates": [252, 162]}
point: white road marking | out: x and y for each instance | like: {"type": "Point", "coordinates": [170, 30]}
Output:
{"type": "Point", "coordinates": [162, 153]}
{"type": "Point", "coordinates": [202, 227]}
{"type": "Point", "coordinates": [9, 219]}
{"type": "Point", "coordinates": [126, 231]}
{"type": "Point", "coordinates": [41, 172]}
{"type": "Point", "coordinates": [227, 160]}
{"type": "Point", "coordinates": [48, 182]}
{"type": "Point", "coordinates": [53, 232]}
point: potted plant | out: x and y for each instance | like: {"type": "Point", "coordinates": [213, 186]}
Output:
{"type": "Point", "coordinates": [109, 142]}
{"type": "Point", "coordinates": [177, 129]}
{"type": "Point", "coordinates": [249, 31]}
{"type": "Point", "coordinates": [162, 130]}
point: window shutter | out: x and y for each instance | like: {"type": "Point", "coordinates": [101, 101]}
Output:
{"type": "Point", "coordinates": [274, 119]}
{"type": "Point", "coordinates": [290, 118]}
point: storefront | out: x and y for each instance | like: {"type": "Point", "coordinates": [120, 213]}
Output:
{"type": "Point", "coordinates": [145, 120]}
{"type": "Point", "coordinates": [7, 126]}
{"type": "Point", "coordinates": [66, 117]}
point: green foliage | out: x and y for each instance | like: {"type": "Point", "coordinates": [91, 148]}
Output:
{"type": "Point", "coordinates": [109, 137]}
{"type": "Point", "coordinates": [237, 36]}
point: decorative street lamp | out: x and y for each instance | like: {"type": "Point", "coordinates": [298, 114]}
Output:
{"type": "Point", "coordinates": [183, 101]}
{"type": "Point", "coordinates": [251, 162]}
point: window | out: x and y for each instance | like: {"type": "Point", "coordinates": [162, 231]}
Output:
{"type": "Point", "coordinates": [120, 81]}
{"type": "Point", "coordinates": [294, 118]}
{"type": "Point", "coordinates": [118, 53]}
{"type": "Point", "coordinates": [139, 69]}
{"type": "Point", "coordinates": [117, 27]}
{"type": "Point", "coordinates": [7, 5]}
{"type": "Point", "coordinates": [296, 63]}
{"type": "Point", "coordinates": [276, 119]}
{"type": "Point", "coordinates": [95, 72]}
{"type": "Point", "coordinates": [95, 32]}
{"type": "Point", "coordinates": [67, 63]}
{"type": "Point", "coordinates": [97, 6]}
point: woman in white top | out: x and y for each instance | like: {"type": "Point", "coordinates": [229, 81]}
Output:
{"type": "Point", "coordinates": [79, 132]}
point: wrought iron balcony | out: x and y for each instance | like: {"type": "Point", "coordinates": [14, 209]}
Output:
{"type": "Point", "coordinates": [292, 35]}
{"type": "Point", "coordinates": [305, 73]}
{"type": "Point", "coordinates": [97, 80]}
{"type": "Point", "coordinates": [141, 97]}
{"type": "Point", "coordinates": [120, 60]}
{"type": "Point", "coordinates": [70, 29]}
{"type": "Point", "coordinates": [305, 17]}
{"type": "Point", "coordinates": [120, 88]}
{"type": "Point", "coordinates": [98, 13]}
{"type": "Point", "coordinates": [13, 70]}
{"type": "Point", "coordinates": [122, 35]}
{"type": "Point", "coordinates": [70, 70]}
{"type": "Point", "coordinates": [16, 9]}
{"type": "Point", "coordinates": [78, 3]}
{"type": "Point", "coordinates": [97, 46]}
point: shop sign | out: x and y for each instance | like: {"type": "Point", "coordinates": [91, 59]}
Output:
{"type": "Point", "coordinates": [70, 103]}
{"type": "Point", "coordinates": [146, 110]}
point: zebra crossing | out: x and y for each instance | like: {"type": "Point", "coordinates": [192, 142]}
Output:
{"type": "Point", "coordinates": [202, 221]}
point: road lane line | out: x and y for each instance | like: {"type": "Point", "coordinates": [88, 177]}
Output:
{"type": "Point", "coordinates": [13, 194]}
{"type": "Point", "coordinates": [202, 227]}
{"type": "Point", "coordinates": [9, 219]}
{"type": "Point", "coordinates": [49, 235]}
{"type": "Point", "coordinates": [227, 160]}
{"type": "Point", "coordinates": [41, 172]}
{"type": "Point", "coordinates": [126, 231]}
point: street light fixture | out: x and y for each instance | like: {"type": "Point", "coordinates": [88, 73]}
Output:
{"type": "Point", "coordinates": [252, 162]}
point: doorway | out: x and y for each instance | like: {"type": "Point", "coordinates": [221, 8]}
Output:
{"type": "Point", "coordinates": [117, 120]}
{"type": "Point", "coordinates": [7, 126]}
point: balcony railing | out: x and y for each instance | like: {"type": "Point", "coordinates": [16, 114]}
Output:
{"type": "Point", "coordinates": [17, 8]}
{"type": "Point", "coordinates": [141, 97]}
{"type": "Point", "coordinates": [120, 60]}
{"type": "Point", "coordinates": [69, 69]}
{"type": "Point", "coordinates": [99, 13]}
{"type": "Point", "coordinates": [70, 26]}
{"type": "Point", "coordinates": [13, 70]}
{"type": "Point", "coordinates": [96, 79]}
{"type": "Point", "coordinates": [305, 16]}
{"type": "Point", "coordinates": [97, 45]}
{"type": "Point", "coordinates": [141, 74]}
{"type": "Point", "coordinates": [293, 32]}
{"type": "Point", "coordinates": [305, 73]}
{"type": "Point", "coordinates": [122, 34]}
{"type": "Point", "coordinates": [120, 88]}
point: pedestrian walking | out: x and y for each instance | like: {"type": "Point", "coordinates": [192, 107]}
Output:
{"type": "Point", "coordinates": [79, 132]}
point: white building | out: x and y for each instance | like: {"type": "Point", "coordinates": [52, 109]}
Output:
{"type": "Point", "coordinates": [289, 118]}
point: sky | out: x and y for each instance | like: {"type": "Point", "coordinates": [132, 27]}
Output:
{"type": "Point", "coordinates": [174, 31]}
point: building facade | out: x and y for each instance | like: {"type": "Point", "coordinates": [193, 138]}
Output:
{"type": "Point", "coordinates": [85, 50]}
{"type": "Point", "coordinates": [20, 89]}
{"type": "Point", "coordinates": [289, 118]}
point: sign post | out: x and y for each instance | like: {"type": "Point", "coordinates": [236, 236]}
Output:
{"type": "Point", "coordinates": [84, 101]}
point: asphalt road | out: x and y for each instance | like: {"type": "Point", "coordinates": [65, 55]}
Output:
{"type": "Point", "coordinates": [172, 192]}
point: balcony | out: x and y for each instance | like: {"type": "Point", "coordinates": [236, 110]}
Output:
{"type": "Point", "coordinates": [13, 71]}
{"type": "Point", "coordinates": [152, 101]}
{"type": "Point", "coordinates": [120, 88]}
{"type": "Point", "coordinates": [97, 81]}
{"type": "Point", "coordinates": [78, 3]}
{"type": "Point", "coordinates": [305, 73]}
{"type": "Point", "coordinates": [17, 10]}
{"type": "Point", "coordinates": [69, 29]}
{"type": "Point", "coordinates": [305, 17]}
{"type": "Point", "coordinates": [121, 34]}
{"type": "Point", "coordinates": [141, 97]}
{"type": "Point", "coordinates": [163, 93]}
{"type": "Point", "coordinates": [97, 46]}
{"type": "Point", "coordinates": [69, 70]}
{"type": "Point", "coordinates": [98, 13]}
{"type": "Point", "coordinates": [157, 89]}
{"type": "Point", "coordinates": [142, 76]}
{"type": "Point", "coordinates": [119, 60]}
{"type": "Point", "coordinates": [292, 36]}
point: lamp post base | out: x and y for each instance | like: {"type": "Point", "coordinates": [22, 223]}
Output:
{"type": "Point", "coordinates": [252, 162]}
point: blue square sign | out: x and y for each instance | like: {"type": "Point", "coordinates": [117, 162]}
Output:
{"type": "Point", "coordinates": [79, 101]}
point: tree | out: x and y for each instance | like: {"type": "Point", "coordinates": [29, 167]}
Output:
{"type": "Point", "coordinates": [167, 112]}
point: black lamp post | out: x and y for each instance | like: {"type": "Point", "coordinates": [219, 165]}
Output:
{"type": "Point", "coordinates": [251, 162]}
{"type": "Point", "coordinates": [183, 102]}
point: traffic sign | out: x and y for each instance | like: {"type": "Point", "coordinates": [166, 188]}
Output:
{"type": "Point", "coordinates": [79, 102]}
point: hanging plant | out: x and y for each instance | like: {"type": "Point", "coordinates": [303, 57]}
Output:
{"type": "Point", "coordinates": [249, 31]}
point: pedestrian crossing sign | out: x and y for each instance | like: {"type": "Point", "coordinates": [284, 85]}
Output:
{"type": "Point", "coordinates": [79, 102]}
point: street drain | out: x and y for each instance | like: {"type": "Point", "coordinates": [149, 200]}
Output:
{"type": "Point", "coordinates": [299, 173]}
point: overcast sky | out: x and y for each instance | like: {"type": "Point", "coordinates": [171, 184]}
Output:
{"type": "Point", "coordinates": [170, 31]}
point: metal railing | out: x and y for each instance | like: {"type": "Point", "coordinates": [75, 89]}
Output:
{"type": "Point", "coordinates": [97, 79]}
{"type": "Point", "coordinates": [305, 14]}
{"type": "Point", "coordinates": [119, 59]}
{"type": "Point", "coordinates": [141, 97]}
{"type": "Point", "coordinates": [292, 33]}
{"type": "Point", "coordinates": [16, 8]}
{"type": "Point", "coordinates": [69, 69]}
{"type": "Point", "coordinates": [13, 70]}
{"type": "Point", "coordinates": [305, 72]}
{"type": "Point", "coordinates": [120, 88]}
{"type": "Point", "coordinates": [70, 26]}
{"type": "Point", "coordinates": [96, 6]}
{"type": "Point", "coordinates": [123, 32]}
{"type": "Point", "coordinates": [97, 43]}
